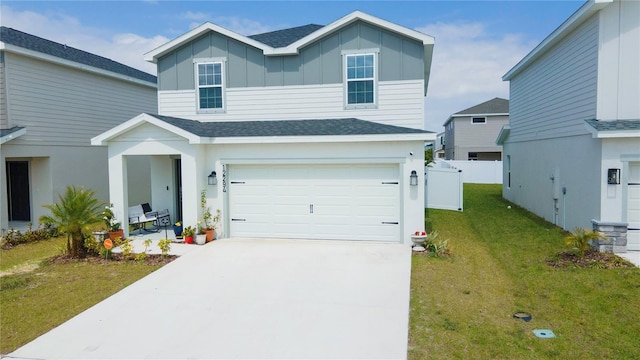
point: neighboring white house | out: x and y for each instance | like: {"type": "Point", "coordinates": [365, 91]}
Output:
{"type": "Point", "coordinates": [309, 132]}
{"type": "Point", "coordinates": [438, 152]}
{"type": "Point", "coordinates": [470, 134]}
{"type": "Point", "coordinates": [572, 148]}
{"type": "Point", "coordinates": [53, 100]}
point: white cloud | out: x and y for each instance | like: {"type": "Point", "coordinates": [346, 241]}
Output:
{"type": "Point", "coordinates": [468, 64]}
{"type": "Point", "coordinates": [126, 48]}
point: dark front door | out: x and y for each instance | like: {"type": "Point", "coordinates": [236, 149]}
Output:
{"type": "Point", "coordinates": [18, 191]}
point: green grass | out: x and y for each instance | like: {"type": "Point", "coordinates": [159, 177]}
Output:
{"type": "Point", "coordinates": [462, 307]}
{"type": "Point", "coordinates": [34, 302]}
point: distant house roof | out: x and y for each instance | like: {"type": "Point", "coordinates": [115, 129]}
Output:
{"type": "Point", "coordinates": [495, 106]}
{"type": "Point", "coordinates": [281, 131]}
{"type": "Point", "coordinates": [285, 37]}
{"type": "Point", "coordinates": [348, 126]}
{"type": "Point", "coordinates": [614, 128]}
{"type": "Point", "coordinates": [31, 42]}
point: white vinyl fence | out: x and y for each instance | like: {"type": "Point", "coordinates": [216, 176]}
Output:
{"type": "Point", "coordinates": [479, 172]}
{"type": "Point", "coordinates": [443, 189]}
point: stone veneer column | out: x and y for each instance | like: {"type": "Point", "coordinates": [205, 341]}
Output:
{"type": "Point", "coordinates": [617, 234]}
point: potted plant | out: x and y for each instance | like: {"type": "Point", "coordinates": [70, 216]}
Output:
{"type": "Point", "coordinates": [419, 238]}
{"type": "Point", "coordinates": [188, 233]}
{"type": "Point", "coordinates": [177, 229]}
{"type": "Point", "coordinates": [201, 236]}
{"type": "Point", "coordinates": [112, 224]}
{"type": "Point", "coordinates": [206, 216]}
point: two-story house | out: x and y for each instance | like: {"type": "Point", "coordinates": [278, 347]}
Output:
{"type": "Point", "coordinates": [572, 147]}
{"type": "Point", "coordinates": [309, 132]}
{"type": "Point", "coordinates": [53, 100]}
{"type": "Point", "coordinates": [471, 134]}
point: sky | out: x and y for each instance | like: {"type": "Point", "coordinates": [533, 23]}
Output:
{"type": "Point", "coordinates": [476, 42]}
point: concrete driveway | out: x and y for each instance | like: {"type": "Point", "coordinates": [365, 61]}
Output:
{"type": "Point", "coordinates": [249, 298]}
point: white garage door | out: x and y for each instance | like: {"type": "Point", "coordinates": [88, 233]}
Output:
{"type": "Point", "coordinates": [633, 207]}
{"type": "Point", "coordinates": [342, 202]}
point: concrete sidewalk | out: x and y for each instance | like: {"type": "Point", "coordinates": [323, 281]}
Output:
{"type": "Point", "coordinates": [250, 299]}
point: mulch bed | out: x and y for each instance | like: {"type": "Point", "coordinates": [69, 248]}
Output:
{"type": "Point", "coordinates": [592, 259]}
{"type": "Point", "coordinates": [150, 259]}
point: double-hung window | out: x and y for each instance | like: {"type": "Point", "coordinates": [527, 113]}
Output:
{"type": "Point", "coordinates": [210, 85]}
{"type": "Point", "coordinates": [360, 80]}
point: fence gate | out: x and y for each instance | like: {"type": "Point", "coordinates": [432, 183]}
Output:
{"type": "Point", "coordinates": [443, 189]}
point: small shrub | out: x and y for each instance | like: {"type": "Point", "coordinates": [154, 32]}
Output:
{"type": "Point", "coordinates": [127, 247]}
{"type": "Point", "coordinates": [580, 240]}
{"type": "Point", "coordinates": [436, 245]}
{"type": "Point", "coordinates": [12, 237]}
{"type": "Point", "coordinates": [165, 246]}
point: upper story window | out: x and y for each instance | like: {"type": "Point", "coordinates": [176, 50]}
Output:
{"type": "Point", "coordinates": [479, 120]}
{"type": "Point", "coordinates": [210, 85]}
{"type": "Point", "coordinates": [360, 80]}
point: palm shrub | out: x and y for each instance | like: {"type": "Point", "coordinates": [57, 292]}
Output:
{"type": "Point", "coordinates": [75, 211]}
{"type": "Point", "coordinates": [581, 239]}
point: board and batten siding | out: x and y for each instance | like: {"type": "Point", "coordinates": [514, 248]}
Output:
{"type": "Point", "coordinates": [400, 103]}
{"type": "Point", "coordinates": [60, 105]}
{"type": "Point", "coordinates": [554, 95]}
{"type": "Point", "coordinates": [401, 58]}
{"type": "Point", "coordinates": [4, 120]}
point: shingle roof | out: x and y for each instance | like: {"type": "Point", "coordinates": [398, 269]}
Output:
{"type": "Point", "coordinates": [32, 42]}
{"type": "Point", "coordinates": [493, 106]}
{"type": "Point", "coordinates": [285, 37]}
{"type": "Point", "coordinates": [5, 132]}
{"type": "Point", "coordinates": [286, 127]}
{"type": "Point", "coordinates": [614, 125]}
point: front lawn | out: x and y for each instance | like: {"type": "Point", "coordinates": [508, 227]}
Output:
{"type": "Point", "coordinates": [37, 295]}
{"type": "Point", "coordinates": [462, 307]}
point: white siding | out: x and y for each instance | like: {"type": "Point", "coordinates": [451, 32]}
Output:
{"type": "Point", "coordinates": [400, 103]}
{"type": "Point", "coordinates": [554, 96]}
{"type": "Point", "coordinates": [4, 120]}
{"type": "Point", "coordinates": [619, 72]}
{"type": "Point", "coordinates": [60, 105]}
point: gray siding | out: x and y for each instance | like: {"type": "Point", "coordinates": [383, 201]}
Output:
{"type": "Point", "coordinates": [468, 137]}
{"type": "Point", "coordinates": [401, 58]}
{"type": "Point", "coordinates": [4, 120]}
{"type": "Point", "coordinates": [558, 92]}
{"type": "Point", "coordinates": [60, 105]}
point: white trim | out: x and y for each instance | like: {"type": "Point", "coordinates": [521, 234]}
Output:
{"type": "Point", "coordinates": [56, 60]}
{"type": "Point", "coordinates": [13, 135]}
{"type": "Point", "coordinates": [346, 80]}
{"type": "Point", "coordinates": [222, 85]}
{"type": "Point", "coordinates": [503, 134]}
{"type": "Point", "coordinates": [307, 161]}
{"type": "Point", "coordinates": [575, 20]}
{"type": "Point", "coordinates": [318, 139]}
{"type": "Point", "coordinates": [612, 134]}
{"type": "Point", "coordinates": [478, 123]}
{"type": "Point", "coordinates": [139, 120]}
{"type": "Point", "coordinates": [480, 115]}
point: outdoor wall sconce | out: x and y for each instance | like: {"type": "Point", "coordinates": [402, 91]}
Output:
{"type": "Point", "coordinates": [413, 178]}
{"type": "Point", "coordinates": [613, 176]}
{"type": "Point", "coordinates": [212, 179]}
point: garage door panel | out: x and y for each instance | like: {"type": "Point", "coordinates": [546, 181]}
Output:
{"type": "Point", "coordinates": [633, 207]}
{"type": "Point", "coordinates": [347, 202]}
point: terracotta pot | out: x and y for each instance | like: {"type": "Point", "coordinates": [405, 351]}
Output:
{"type": "Point", "coordinates": [114, 235]}
{"type": "Point", "coordinates": [210, 233]}
{"type": "Point", "coordinates": [188, 239]}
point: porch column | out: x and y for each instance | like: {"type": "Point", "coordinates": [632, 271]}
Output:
{"type": "Point", "coordinates": [191, 183]}
{"type": "Point", "coordinates": [118, 191]}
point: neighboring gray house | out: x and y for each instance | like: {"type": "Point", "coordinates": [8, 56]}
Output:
{"type": "Point", "coordinates": [53, 100]}
{"type": "Point", "coordinates": [311, 132]}
{"type": "Point", "coordinates": [470, 134]}
{"type": "Point", "coordinates": [572, 148]}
